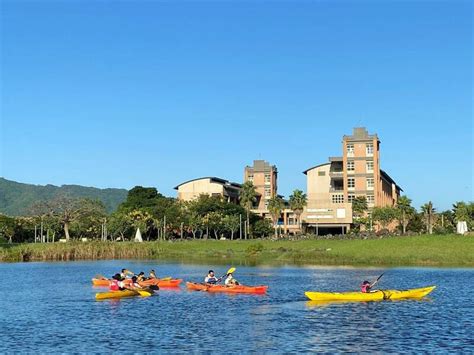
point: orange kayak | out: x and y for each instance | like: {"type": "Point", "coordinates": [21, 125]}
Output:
{"type": "Point", "coordinates": [150, 282]}
{"type": "Point", "coordinates": [227, 289]}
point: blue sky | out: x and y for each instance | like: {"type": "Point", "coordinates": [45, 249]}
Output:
{"type": "Point", "coordinates": [153, 93]}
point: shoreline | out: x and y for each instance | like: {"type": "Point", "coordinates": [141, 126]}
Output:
{"type": "Point", "coordinates": [419, 251]}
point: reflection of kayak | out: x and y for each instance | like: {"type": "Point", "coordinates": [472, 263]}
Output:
{"type": "Point", "coordinates": [228, 289]}
{"type": "Point", "coordinates": [371, 296]}
{"type": "Point", "coordinates": [122, 294]}
{"type": "Point", "coordinates": [150, 282]}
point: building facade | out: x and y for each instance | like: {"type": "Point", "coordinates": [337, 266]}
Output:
{"type": "Point", "coordinates": [264, 177]}
{"type": "Point", "coordinates": [212, 186]}
{"type": "Point", "coordinates": [332, 186]}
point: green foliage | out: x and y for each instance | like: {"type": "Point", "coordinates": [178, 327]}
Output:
{"type": "Point", "coordinates": [429, 213]}
{"type": "Point", "coordinates": [464, 212]}
{"type": "Point", "coordinates": [384, 215]}
{"type": "Point", "coordinates": [254, 249]}
{"type": "Point", "coordinates": [16, 198]}
{"type": "Point", "coordinates": [248, 195]}
{"type": "Point", "coordinates": [405, 212]}
{"type": "Point", "coordinates": [297, 202]}
{"type": "Point", "coordinates": [262, 228]}
{"type": "Point", "coordinates": [359, 206]}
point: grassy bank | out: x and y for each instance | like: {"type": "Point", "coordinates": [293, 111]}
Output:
{"type": "Point", "coordinates": [450, 250]}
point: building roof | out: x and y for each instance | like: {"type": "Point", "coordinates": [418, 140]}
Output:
{"type": "Point", "coordinates": [314, 167]}
{"type": "Point", "coordinates": [389, 179]}
{"type": "Point", "coordinates": [213, 179]}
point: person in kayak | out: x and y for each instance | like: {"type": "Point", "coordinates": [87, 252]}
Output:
{"type": "Point", "coordinates": [367, 286]}
{"type": "Point", "coordinates": [134, 284]}
{"type": "Point", "coordinates": [117, 283]}
{"type": "Point", "coordinates": [124, 273]}
{"type": "Point", "coordinates": [152, 274]}
{"type": "Point", "coordinates": [230, 280]}
{"type": "Point", "coordinates": [141, 277]}
{"type": "Point", "coordinates": [211, 278]}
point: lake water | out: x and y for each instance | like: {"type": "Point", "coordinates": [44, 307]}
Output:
{"type": "Point", "coordinates": [50, 307]}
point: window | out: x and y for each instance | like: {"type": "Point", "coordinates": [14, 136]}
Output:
{"type": "Point", "coordinates": [350, 165]}
{"type": "Point", "coordinates": [266, 204]}
{"type": "Point", "coordinates": [268, 192]}
{"type": "Point", "coordinates": [370, 183]}
{"type": "Point", "coordinates": [338, 198]}
{"type": "Point", "coordinates": [351, 183]}
{"type": "Point", "coordinates": [350, 148]}
{"type": "Point", "coordinates": [370, 166]}
{"type": "Point", "coordinates": [350, 198]}
{"type": "Point", "coordinates": [369, 149]}
{"type": "Point", "coordinates": [370, 199]}
{"type": "Point", "coordinates": [267, 178]}
{"type": "Point", "coordinates": [250, 178]}
{"type": "Point", "coordinates": [321, 173]}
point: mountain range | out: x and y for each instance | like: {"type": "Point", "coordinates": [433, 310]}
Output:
{"type": "Point", "coordinates": [16, 198]}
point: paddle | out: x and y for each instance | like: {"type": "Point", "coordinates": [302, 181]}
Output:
{"type": "Point", "coordinates": [376, 281]}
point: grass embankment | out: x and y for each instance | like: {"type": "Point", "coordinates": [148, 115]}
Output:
{"type": "Point", "coordinates": [450, 250]}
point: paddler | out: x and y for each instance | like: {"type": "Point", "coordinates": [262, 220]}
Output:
{"type": "Point", "coordinates": [152, 274]}
{"type": "Point", "coordinates": [117, 283]}
{"type": "Point", "coordinates": [124, 273]}
{"type": "Point", "coordinates": [141, 277]}
{"type": "Point", "coordinates": [367, 286]}
{"type": "Point", "coordinates": [211, 278]}
{"type": "Point", "coordinates": [230, 280]}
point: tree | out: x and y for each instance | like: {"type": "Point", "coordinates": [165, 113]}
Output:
{"type": "Point", "coordinates": [429, 213]}
{"type": "Point", "coordinates": [194, 222]}
{"type": "Point", "coordinates": [298, 201]}
{"type": "Point", "coordinates": [215, 222]}
{"type": "Point", "coordinates": [384, 215]}
{"type": "Point", "coordinates": [120, 225]}
{"type": "Point", "coordinates": [464, 212]}
{"type": "Point", "coordinates": [7, 227]}
{"type": "Point", "coordinates": [359, 208]}
{"type": "Point", "coordinates": [67, 210]}
{"type": "Point", "coordinates": [275, 206]}
{"type": "Point", "coordinates": [231, 223]}
{"type": "Point", "coordinates": [248, 196]}
{"type": "Point", "coordinates": [89, 219]}
{"type": "Point", "coordinates": [262, 228]}
{"type": "Point", "coordinates": [405, 210]}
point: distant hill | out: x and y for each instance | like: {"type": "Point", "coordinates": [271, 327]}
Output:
{"type": "Point", "coordinates": [16, 198]}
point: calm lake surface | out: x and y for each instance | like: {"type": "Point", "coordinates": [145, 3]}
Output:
{"type": "Point", "coordinates": [50, 307]}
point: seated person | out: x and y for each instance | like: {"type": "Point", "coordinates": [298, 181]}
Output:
{"type": "Point", "coordinates": [211, 278]}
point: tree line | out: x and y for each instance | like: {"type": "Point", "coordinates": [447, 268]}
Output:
{"type": "Point", "coordinates": [162, 218]}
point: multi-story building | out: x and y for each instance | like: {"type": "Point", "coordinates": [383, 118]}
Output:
{"type": "Point", "coordinates": [264, 178]}
{"type": "Point", "coordinates": [332, 186]}
{"type": "Point", "coordinates": [212, 186]}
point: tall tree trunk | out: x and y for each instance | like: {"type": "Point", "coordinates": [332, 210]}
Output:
{"type": "Point", "coordinates": [66, 230]}
{"type": "Point", "coordinates": [276, 231]}
{"type": "Point", "coordinates": [232, 235]}
{"type": "Point", "coordinates": [404, 226]}
{"type": "Point", "coordinates": [248, 224]}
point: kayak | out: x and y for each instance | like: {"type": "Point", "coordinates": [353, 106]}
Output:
{"type": "Point", "coordinates": [123, 294]}
{"type": "Point", "coordinates": [227, 289]}
{"type": "Point", "coordinates": [150, 282]}
{"type": "Point", "coordinates": [378, 295]}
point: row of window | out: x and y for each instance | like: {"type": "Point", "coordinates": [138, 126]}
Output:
{"type": "Point", "coordinates": [268, 178]}
{"type": "Point", "coordinates": [339, 198]}
{"type": "Point", "coordinates": [369, 148]}
{"type": "Point", "coordinates": [369, 183]}
{"type": "Point", "coordinates": [369, 166]}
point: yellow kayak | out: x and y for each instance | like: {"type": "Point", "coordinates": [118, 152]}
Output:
{"type": "Point", "coordinates": [123, 294]}
{"type": "Point", "coordinates": [378, 295]}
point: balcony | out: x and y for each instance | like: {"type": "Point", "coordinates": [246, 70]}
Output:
{"type": "Point", "coordinates": [336, 189]}
{"type": "Point", "coordinates": [336, 173]}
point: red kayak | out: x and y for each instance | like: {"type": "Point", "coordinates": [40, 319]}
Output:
{"type": "Point", "coordinates": [149, 282]}
{"type": "Point", "coordinates": [227, 289]}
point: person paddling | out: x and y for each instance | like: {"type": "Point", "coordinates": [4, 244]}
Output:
{"type": "Point", "coordinates": [152, 274]}
{"type": "Point", "coordinates": [367, 286]}
{"type": "Point", "coordinates": [230, 280]}
{"type": "Point", "coordinates": [117, 284]}
{"type": "Point", "coordinates": [211, 278]}
{"type": "Point", "coordinates": [141, 277]}
{"type": "Point", "coordinates": [124, 273]}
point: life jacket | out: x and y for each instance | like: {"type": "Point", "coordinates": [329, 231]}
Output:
{"type": "Point", "coordinates": [365, 288]}
{"type": "Point", "coordinates": [114, 285]}
{"type": "Point", "coordinates": [211, 280]}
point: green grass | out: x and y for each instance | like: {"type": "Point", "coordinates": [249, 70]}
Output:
{"type": "Point", "coordinates": [435, 250]}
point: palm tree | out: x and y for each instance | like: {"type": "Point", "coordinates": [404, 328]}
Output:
{"type": "Point", "coordinates": [275, 206]}
{"type": "Point", "coordinates": [297, 203]}
{"type": "Point", "coordinates": [405, 211]}
{"type": "Point", "coordinates": [359, 208]}
{"type": "Point", "coordinates": [429, 212]}
{"type": "Point", "coordinates": [248, 195]}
